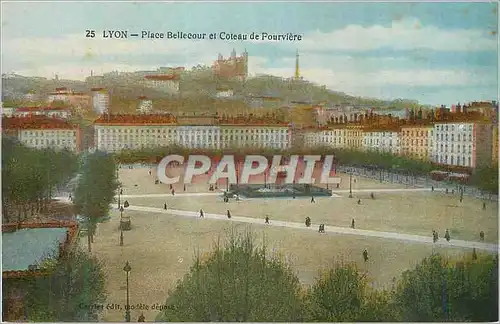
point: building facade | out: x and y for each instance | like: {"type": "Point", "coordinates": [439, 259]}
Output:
{"type": "Point", "coordinates": [467, 144]}
{"type": "Point", "coordinates": [120, 132]}
{"type": "Point", "coordinates": [52, 112]}
{"type": "Point", "coordinates": [234, 67]}
{"type": "Point", "coordinates": [384, 141]}
{"type": "Point", "coordinates": [354, 136]}
{"type": "Point", "coordinates": [44, 132]}
{"type": "Point", "coordinates": [100, 100]}
{"type": "Point", "coordinates": [145, 105]}
{"type": "Point", "coordinates": [163, 82]}
{"type": "Point", "coordinates": [68, 96]}
{"type": "Point", "coordinates": [417, 141]}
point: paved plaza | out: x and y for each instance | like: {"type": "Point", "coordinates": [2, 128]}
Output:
{"type": "Point", "coordinates": [395, 228]}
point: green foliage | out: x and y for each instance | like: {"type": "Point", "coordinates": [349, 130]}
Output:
{"type": "Point", "coordinates": [76, 281]}
{"type": "Point", "coordinates": [438, 290]}
{"type": "Point", "coordinates": [342, 294]}
{"type": "Point", "coordinates": [486, 179]}
{"type": "Point", "coordinates": [29, 177]}
{"type": "Point", "coordinates": [238, 282]}
{"type": "Point", "coordinates": [96, 187]}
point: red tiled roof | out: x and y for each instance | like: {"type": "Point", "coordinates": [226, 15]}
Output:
{"type": "Point", "coordinates": [154, 119]}
{"type": "Point", "coordinates": [61, 89]}
{"type": "Point", "coordinates": [97, 89]}
{"type": "Point", "coordinates": [36, 122]}
{"type": "Point", "coordinates": [162, 77]}
{"type": "Point", "coordinates": [251, 121]}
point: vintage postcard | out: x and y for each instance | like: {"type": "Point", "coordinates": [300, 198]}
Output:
{"type": "Point", "coordinates": [249, 161]}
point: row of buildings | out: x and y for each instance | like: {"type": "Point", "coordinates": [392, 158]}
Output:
{"type": "Point", "coordinates": [455, 141]}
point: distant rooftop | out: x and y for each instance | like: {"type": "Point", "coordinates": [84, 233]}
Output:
{"type": "Point", "coordinates": [29, 246]}
{"type": "Point", "coordinates": [36, 122]}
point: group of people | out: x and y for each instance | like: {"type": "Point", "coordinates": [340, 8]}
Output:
{"type": "Point", "coordinates": [435, 236]}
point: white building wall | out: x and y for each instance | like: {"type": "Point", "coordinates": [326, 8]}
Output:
{"type": "Point", "coordinates": [112, 138]}
{"type": "Point", "coordinates": [453, 144]}
{"type": "Point", "coordinates": [100, 102]}
{"type": "Point", "coordinates": [49, 138]}
{"type": "Point", "coordinates": [382, 142]}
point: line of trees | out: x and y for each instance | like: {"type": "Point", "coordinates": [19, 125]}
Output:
{"type": "Point", "coordinates": [96, 189]}
{"type": "Point", "coordinates": [29, 177]}
{"type": "Point", "coordinates": [240, 281]}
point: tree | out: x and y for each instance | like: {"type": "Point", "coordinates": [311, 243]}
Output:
{"type": "Point", "coordinates": [442, 290]}
{"type": "Point", "coordinates": [238, 282]}
{"type": "Point", "coordinates": [96, 189]}
{"type": "Point", "coordinates": [29, 177]}
{"type": "Point", "coordinates": [76, 281]}
{"type": "Point", "coordinates": [486, 178]}
{"type": "Point", "coordinates": [341, 294]}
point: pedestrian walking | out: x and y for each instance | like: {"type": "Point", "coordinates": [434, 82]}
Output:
{"type": "Point", "coordinates": [312, 199]}
{"type": "Point", "coordinates": [165, 206]}
{"type": "Point", "coordinates": [481, 236]}
{"type": "Point", "coordinates": [474, 254]}
{"type": "Point", "coordinates": [202, 215]}
{"type": "Point", "coordinates": [228, 214]}
{"type": "Point", "coordinates": [365, 255]}
{"type": "Point", "coordinates": [447, 235]}
{"type": "Point", "coordinates": [184, 187]}
{"type": "Point", "coordinates": [432, 188]}
{"type": "Point", "coordinates": [484, 206]}
{"type": "Point", "coordinates": [359, 201]}
{"type": "Point", "coordinates": [267, 219]}
{"type": "Point", "coordinates": [149, 172]}
{"type": "Point", "coordinates": [352, 223]}
{"type": "Point", "coordinates": [173, 192]}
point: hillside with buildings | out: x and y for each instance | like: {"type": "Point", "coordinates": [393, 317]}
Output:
{"type": "Point", "coordinates": [225, 85]}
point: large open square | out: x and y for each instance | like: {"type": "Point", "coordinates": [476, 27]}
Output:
{"type": "Point", "coordinates": [161, 245]}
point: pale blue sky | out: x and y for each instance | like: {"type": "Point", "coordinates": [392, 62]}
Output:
{"type": "Point", "coordinates": [432, 52]}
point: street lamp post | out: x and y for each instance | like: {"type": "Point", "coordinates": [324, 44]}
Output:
{"type": "Point", "coordinates": [121, 226]}
{"type": "Point", "coordinates": [119, 197]}
{"type": "Point", "coordinates": [127, 269]}
{"type": "Point", "coordinates": [350, 185]}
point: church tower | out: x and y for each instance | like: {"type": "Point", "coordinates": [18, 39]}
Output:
{"type": "Point", "coordinates": [297, 72]}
